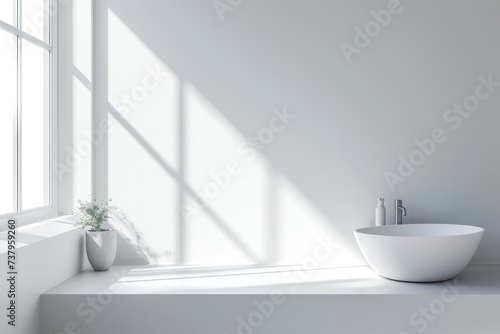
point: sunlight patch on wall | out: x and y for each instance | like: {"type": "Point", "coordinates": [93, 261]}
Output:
{"type": "Point", "coordinates": [82, 36]}
{"type": "Point", "coordinates": [76, 156]}
{"type": "Point", "coordinates": [236, 209]}
{"type": "Point", "coordinates": [81, 152]}
{"type": "Point", "coordinates": [230, 185]}
{"type": "Point", "coordinates": [303, 228]}
{"type": "Point", "coordinates": [244, 211]}
{"type": "Point", "coordinates": [145, 94]}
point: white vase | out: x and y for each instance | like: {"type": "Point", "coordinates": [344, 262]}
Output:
{"type": "Point", "coordinates": [101, 249]}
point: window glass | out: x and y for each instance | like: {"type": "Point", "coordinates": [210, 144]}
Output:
{"type": "Point", "coordinates": [34, 125]}
{"type": "Point", "coordinates": [35, 18]}
{"type": "Point", "coordinates": [7, 11]}
{"type": "Point", "coordinates": [8, 106]}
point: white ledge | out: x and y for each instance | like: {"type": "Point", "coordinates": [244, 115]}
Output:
{"type": "Point", "coordinates": [172, 280]}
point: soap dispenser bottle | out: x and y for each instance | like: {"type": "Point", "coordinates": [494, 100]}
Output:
{"type": "Point", "coordinates": [380, 213]}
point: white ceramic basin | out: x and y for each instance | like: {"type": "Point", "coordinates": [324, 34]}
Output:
{"type": "Point", "coordinates": [419, 252]}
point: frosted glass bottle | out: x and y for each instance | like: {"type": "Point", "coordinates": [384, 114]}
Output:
{"type": "Point", "coordinates": [380, 213]}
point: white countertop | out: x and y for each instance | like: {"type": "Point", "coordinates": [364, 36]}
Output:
{"type": "Point", "coordinates": [164, 279]}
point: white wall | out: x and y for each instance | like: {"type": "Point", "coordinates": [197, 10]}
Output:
{"type": "Point", "coordinates": [189, 88]}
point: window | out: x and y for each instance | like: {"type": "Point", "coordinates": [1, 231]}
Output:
{"type": "Point", "coordinates": [26, 105]}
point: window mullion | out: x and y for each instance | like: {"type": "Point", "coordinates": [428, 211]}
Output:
{"type": "Point", "coordinates": [18, 130]}
{"type": "Point", "coordinates": [17, 195]}
{"type": "Point", "coordinates": [48, 129]}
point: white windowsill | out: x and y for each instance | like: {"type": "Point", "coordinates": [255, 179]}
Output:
{"type": "Point", "coordinates": [36, 232]}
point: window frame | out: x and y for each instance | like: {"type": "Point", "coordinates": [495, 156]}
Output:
{"type": "Point", "coordinates": [50, 210]}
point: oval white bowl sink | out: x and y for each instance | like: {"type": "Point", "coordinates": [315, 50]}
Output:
{"type": "Point", "coordinates": [419, 252]}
